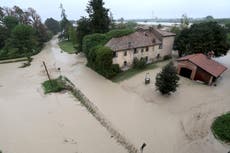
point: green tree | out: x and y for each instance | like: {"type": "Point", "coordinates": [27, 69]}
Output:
{"type": "Point", "coordinates": [73, 35]}
{"type": "Point", "coordinates": [83, 29]}
{"type": "Point", "coordinates": [227, 27]}
{"type": "Point", "coordinates": [23, 38]}
{"type": "Point", "coordinates": [131, 25]}
{"type": "Point", "coordinates": [104, 56]}
{"type": "Point", "coordinates": [175, 30]}
{"type": "Point", "coordinates": [184, 21]}
{"type": "Point", "coordinates": [112, 21]}
{"type": "Point", "coordinates": [90, 41]}
{"type": "Point", "coordinates": [65, 24]}
{"type": "Point", "coordinates": [98, 15]}
{"type": "Point", "coordinates": [10, 22]}
{"type": "Point", "coordinates": [18, 28]}
{"type": "Point", "coordinates": [3, 36]}
{"type": "Point", "coordinates": [181, 42]}
{"type": "Point", "coordinates": [202, 38]}
{"type": "Point", "coordinates": [40, 29]}
{"type": "Point", "coordinates": [209, 18]}
{"type": "Point", "coordinates": [1, 14]}
{"type": "Point", "coordinates": [53, 25]}
{"type": "Point", "coordinates": [167, 79]}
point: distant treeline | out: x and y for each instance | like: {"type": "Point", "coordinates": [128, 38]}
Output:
{"type": "Point", "coordinates": [22, 32]}
{"type": "Point", "coordinates": [178, 20]}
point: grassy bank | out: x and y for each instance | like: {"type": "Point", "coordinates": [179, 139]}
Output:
{"type": "Point", "coordinates": [132, 72]}
{"type": "Point", "coordinates": [54, 85]}
{"type": "Point", "coordinates": [67, 46]}
{"type": "Point", "coordinates": [221, 127]}
{"type": "Point", "coordinates": [13, 60]}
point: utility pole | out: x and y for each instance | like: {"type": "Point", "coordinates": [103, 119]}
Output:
{"type": "Point", "coordinates": [46, 70]}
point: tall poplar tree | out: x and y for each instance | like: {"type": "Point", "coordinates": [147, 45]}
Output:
{"type": "Point", "coordinates": [98, 15]}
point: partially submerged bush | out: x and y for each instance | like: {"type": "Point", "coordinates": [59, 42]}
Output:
{"type": "Point", "coordinates": [139, 64]}
{"type": "Point", "coordinates": [90, 41]}
{"type": "Point", "coordinates": [221, 127]}
{"type": "Point", "coordinates": [54, 85]}
{"type": "Point", "coordinates": [28, 63]}
{"type": "Point", "coordinates": [103, 62]}
{"type": "Point", "coordinates": [167, 57]}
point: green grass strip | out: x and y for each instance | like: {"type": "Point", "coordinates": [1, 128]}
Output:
{"type": "Point", "coordinates": [54, 85]}
{"type": "Point", "coordinates": [67, 46]}
{"type": "Point", "coordinates": [221, 127]}
{"type": "Point", "coordinates": [132, 72]}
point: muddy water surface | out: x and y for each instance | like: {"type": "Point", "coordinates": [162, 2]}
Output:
{"type": "Point", "coordinates": [33, 122]}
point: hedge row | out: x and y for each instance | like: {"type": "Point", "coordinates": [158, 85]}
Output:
{"type": "Point", "coordinates": [100, 57]}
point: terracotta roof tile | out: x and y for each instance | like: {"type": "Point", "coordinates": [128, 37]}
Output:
{"type": "Point", "coordinates": [207, 64]}
{"type": "Point", "coordinates": [134, 40]}
{"type": "Point", "coordinates": [165, 33]}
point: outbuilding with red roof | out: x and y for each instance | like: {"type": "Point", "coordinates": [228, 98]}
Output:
{"type": "Point", "coordinates": [200, 67]}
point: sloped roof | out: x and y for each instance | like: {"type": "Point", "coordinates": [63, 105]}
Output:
{"type": "Point", "coordinates": [207, 64]}
{"type": "Point", "coordinates": [164, 33]}
{"type": "Point", "coordinates": [134, 40]}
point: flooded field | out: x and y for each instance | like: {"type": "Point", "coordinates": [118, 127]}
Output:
{"type": "Point", "coordinates": [33, 122]}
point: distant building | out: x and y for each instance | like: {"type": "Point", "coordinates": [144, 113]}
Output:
{"type": "Point", "coordinates": [200, 67]}
{"type": "Point", "coordinates": [148, 43]}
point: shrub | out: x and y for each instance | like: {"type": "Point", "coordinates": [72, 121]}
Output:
{"type": "Point", "coordinates": [118, 33]}
{"type": "Point", "coordinates": [91, 41]}
{"type": "Point", "coordinates": [103, 63]}
{"type": "Point", "coordinates": [167, 79]}
{"type": "Point", "coordinates": [167, 57]}
{"type": "Point", "coordinates": [116, 68]}
{"type": "Point", "coordinates": [221, 127]}
{"type": "Point", "coordinates": [92, 56]}
{"type": "Point", "coordinates": [100, 57]}
{"type": "Point", "coordinates": [55, 85]}
{"type": "Point", "coordinates": [96, 39]}
{"type": "Point", "coordinates": [139, 64]}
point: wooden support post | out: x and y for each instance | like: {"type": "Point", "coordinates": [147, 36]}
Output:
{"type": "Point", "coordinates": [210, 81]}
{"type": "Point", "coordinates": [47, 72]}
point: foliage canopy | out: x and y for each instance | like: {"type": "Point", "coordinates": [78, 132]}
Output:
{"type": "Point", "coordinates": [167, 79]}
{"type": "Point", "coordinates": [221, 127]}
{"type": "Point", "coordinates": [21, 32]}
{"type": "Point", "coordinates": [202, 38]}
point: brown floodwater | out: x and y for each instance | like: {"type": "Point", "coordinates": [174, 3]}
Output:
{"type": "Point", "coordinates": [33, 122]}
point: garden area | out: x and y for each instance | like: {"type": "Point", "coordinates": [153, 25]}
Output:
{"type": "Point", "coordinates": [67, 46]}
{"type": "Point", "coordinates": [132, 72]}
{"type": "Point", "coordinates": [53, 85]}
{"type": "Point", "coordinates": [221, 127]}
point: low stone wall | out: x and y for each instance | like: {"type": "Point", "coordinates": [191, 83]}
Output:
{"type": "Point", "coordinates": [99, 116]}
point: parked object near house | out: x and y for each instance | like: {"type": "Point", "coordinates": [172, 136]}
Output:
{"type": "Point", "coordinates": [146, 43]}
{"type": "Point", "coordinates": [200, 67]}
{"type": "Point", "coordinates": [147, 78]}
